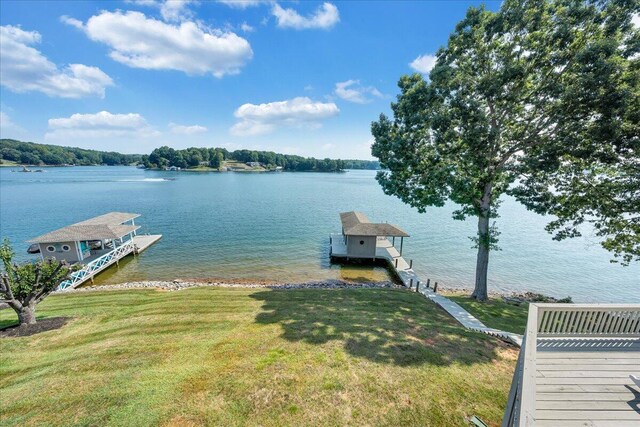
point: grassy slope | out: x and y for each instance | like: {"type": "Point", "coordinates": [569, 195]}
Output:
{"type": "Point", "coordinates": [496, 313]}
{"type": "Point", "coordinates": [251, 357]}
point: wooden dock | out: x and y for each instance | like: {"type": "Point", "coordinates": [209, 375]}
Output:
{"type": "Point", "coordinates": [143, 241]}
{"type": "Point", "coordinates": [578, 367]}
{"type": "Point", "coordinates": [136, 245]}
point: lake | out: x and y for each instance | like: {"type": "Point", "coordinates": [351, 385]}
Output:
{"type": "Point", "coordinates": [276, 226]}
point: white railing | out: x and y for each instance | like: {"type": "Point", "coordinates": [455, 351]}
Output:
{"type": "Point", "coordinates": [602, 320]}
{"type": "Point", "coordinates": [581, 321]}
{"type": "Point", "coordinates": [97, 265]}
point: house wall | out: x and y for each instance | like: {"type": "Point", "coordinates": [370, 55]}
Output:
{"type": "Point", "coordinates": [366, 249]}
{"type": "Point", "coordinates": [70, 256]}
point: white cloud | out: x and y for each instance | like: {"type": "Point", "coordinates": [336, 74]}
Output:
{"type": "Point", "coordinates": [100, 125]}
{"type": "Point", "coordinates": [141, 42]}
{"type": "Point", "coordinates": [265, 118]}
{"type": "Point", "coordinates": [326, 16]}
{"type": "Point", "coordinates": [353, 91]}
{"type": "Point", "coordinates": [423, 63]}
{"type": "Point", "coordinates": [170, 10]}
{"type": "Point", "coordinates": [175, 10]}
{"type": "Point", "coordinates": [243, 4]}
{"type": "Point", "coordinates": [25, 69]}
{"type": "Point", "coordinates": [247, 28]}
{"type": "Point", "coordinates": [186, 130]}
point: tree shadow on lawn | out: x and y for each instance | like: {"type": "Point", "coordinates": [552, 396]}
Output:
{"type": "Point", "coordinates": [385, 326]}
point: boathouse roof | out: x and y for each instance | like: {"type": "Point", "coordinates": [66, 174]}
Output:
{"type": "Point", "coordinates": [112, 218]}
{"type": "Point", "coordinates": [357, 224]}
{"type": "Point", "coordinates": [107, 226]}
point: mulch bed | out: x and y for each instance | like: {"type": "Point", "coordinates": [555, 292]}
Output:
{"type": "Point", "coordinates": [42, 325]}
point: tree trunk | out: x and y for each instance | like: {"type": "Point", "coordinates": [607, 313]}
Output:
{"type": "Point", "coordinates": [27, 316]}
{"type": "Point", "coordinates": [482, 261]}
{"type": "Point", "coordinates": [484, 245]}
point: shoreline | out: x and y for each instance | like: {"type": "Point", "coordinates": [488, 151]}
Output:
{"type": "Point", "coordinates": [180, 284]}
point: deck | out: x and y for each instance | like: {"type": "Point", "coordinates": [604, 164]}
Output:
{"type": "Point", "coordinates": [104, 260]}
{"type": "Point", "coordinates": [577, 367]}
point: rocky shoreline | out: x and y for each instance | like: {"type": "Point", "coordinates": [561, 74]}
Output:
{"type": "Point", "coordinates": [180, 284]}
{"type": "Point", "coordinates": [177, 285]}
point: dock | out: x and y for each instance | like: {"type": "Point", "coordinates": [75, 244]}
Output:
{"type": "Point", "coordinates": [95, 244]}
{"type": "Point", "coordinates": [363, 240]}
{"type": "Point", "coordinates": [579, 366]}
{"type": "Point", "coordinates": [136, 245]}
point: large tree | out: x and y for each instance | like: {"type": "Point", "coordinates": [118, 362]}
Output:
{"type": "Point", "coordinates": [23, 286]}
{"type": "Point", "coordinates": [515, 98]}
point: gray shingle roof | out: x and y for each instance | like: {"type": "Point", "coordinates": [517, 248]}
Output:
{"type": "Point", "coordinates": [357, 224]}
{"type": "Point", "coordinates": [111, 218]}
{"type": "Point", "coordinates": [107, 226]}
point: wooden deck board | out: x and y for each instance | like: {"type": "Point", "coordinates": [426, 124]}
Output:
{"type": "Point", "coordinates": [587, 382]}
{"type": "Point", "coordinates": [582, 423]}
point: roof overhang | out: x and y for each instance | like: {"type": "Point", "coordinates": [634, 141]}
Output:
{"type": "Point", "coordinates": [357, 224]}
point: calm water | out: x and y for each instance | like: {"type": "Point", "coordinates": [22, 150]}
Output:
{"type": "Point", "coordinates": [276, 227]}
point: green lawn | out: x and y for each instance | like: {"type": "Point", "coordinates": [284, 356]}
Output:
{"type": "Point", "coordinates": [219, 356]}
{"type": "Point", "coordinates": [496, 313]}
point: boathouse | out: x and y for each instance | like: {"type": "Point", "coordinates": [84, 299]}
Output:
{"type": "Point", "coordinates": [87, 240]}
{"type": "Point", "coordinates": [363, 238]}
{"type": "Point", "coordinates": [95, 244]}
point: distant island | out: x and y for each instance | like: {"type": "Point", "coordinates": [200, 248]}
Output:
{"type": "Point", "coordinates": [14, 152]}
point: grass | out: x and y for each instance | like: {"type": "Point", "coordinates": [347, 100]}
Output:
{"type": "Point", "coordinates": [496, 313]}
{"type": "Point", "coordinates": [219, 356]}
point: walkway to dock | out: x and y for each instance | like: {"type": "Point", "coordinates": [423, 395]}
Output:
{"type": "Point", "coordinates": [134, 246]}
{"type": "Point", "coordinates": [386, 251]}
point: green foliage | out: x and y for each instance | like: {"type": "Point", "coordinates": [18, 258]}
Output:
{"type": "Point", "coordinates": [191, 157]}
{"type": "Point", "coordinates": [54, 155]}
{"type": "Point", "coordinates": [30, 281]}
{"type": "Point", "coordinates": [528, 101]}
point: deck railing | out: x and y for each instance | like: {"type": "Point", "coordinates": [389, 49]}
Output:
{"type": "Point", "coordinates": [603, 320]}
{"type": "Point", "coordinates": [562, 321]}
{"type": "Point", "coordinates": [97, 265]}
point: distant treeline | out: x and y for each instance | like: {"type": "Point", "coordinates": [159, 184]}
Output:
{"type": "Point", "coordinates": [214, 157]}
{"type": "Point", "coordinates": [31, 153]}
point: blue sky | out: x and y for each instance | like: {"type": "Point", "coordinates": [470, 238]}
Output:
{"type": "Point", "coordinates": [295, 77]}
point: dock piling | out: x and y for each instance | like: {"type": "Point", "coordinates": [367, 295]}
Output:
{"type": "Point", "coordinates": [410, 263]}
{"type": "Point", "coordinates": [428, 283]}
{"type": "Point", "coordinates": [418, 286]}
{"type": "Point", "coordinates": [435, 288]}
{"type": "Point", "coordinates": [396, 262]}
{"type": "Point", "coordinates": [410, 283]}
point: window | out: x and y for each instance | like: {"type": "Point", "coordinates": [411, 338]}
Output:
{"type": "Point", "coordinates": [66, 248]}
{"type": "Point", "coordinates": [51, 248]}
{"type": "Point", "coordinates": [362, 242]}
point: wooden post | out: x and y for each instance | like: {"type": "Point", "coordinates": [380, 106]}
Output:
{"type": "Point", "coordinates": [435, 288]}
{"type": "Point", "coordinates": [428, 283]}
{"type": "Point", "coordinates": [418, 286]}
{"type": "Point", "coordinates": [393, 242]}
{"type": "Point", "coordinates": [410, 283]}
{"type": "Point", "coordinates": [410, 263]}
{"type": "Point", "coordinates": [401, 241]}
{"type": "Point", "coordinates": [396, 262]}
